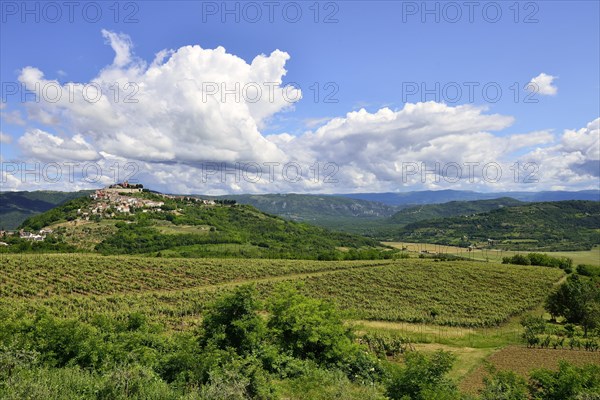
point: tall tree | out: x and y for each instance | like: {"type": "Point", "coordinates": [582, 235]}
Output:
{"type": "Point", "coordinates": [578, 301]}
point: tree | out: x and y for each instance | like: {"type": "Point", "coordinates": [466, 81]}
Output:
{"type": "Point", "coordinates": [312, 329]}
{"type": "Point", "coordinates": [577, 300]}
{"type": "Point", "coordinates": [233, 322]}
{"type": "Point", "coordinates": [309, 328]}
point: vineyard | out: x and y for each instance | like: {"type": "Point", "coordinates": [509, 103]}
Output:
{"type": "Point", "coordinates": [449, 293]}
{"type": "Point", "coordinates": [176, 291]}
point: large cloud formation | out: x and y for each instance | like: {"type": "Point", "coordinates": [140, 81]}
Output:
{"type": "Point", "coordinates": [176, 109]}
{"type": "Point", "coordinates": [573, 160]}
{"type": "Point", "coordinates": [194, 107]}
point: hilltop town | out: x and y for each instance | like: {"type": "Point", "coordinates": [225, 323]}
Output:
{"type": "Point", "coordinates": [124, 198]}
{"type": "Point", "coordinates": [117, 200]}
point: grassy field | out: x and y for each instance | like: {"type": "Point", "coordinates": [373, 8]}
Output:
{"type": "Point", "coordinates": [579, 257]}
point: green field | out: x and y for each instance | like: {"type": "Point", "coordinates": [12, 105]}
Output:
{"type": "Point", "coordinates": [579, 257]}
{"type": "Point", "coordinates": [469, 308]}
{"type": "Point", "coordinates": [412, 290]}
{"type": "Point", "coordinates": [444, 293]}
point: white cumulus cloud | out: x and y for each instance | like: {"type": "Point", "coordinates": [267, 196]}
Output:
{"type": "Point", "coordinates": [121, 44]}
{"type": "Point", "coordinates": [47, 147]}
{"type": "Point", "coordinates": [189, 105]}
{"type": "Point", "coordinates": [543, 84]}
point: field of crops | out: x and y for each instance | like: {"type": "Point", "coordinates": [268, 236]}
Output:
{"type": "Point", "coordinates": [176, 291]}
{"type": "Point", "coordinates": [47, 275]}
{"type": "Point", "coordinates": [445, 293]}
{"type": "Point", "coordinates": [579, 257]}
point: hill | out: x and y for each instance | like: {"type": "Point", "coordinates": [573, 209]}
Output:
{"type": "Point", "coordinates": [148, 223]}
{"type": "Point", "coordinates": [450, 209]}
{"type": "Point", "coordinates": [549, 226]}
{"type": "Point", "coordinates": [16, 207]}
{"type": "Point", "coordinates": [322, 210]}
{"type": "Point", "coordinates": [444, 196]}
{"type": "Point", "coordinates": [306, 207]}
{"type": "Point", "coordinates": [331, 212]}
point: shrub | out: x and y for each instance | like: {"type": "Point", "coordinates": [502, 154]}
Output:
{"type": "Point", "coordinates": [233, 322]}
{"type": "Point", "coordinates": [386, 345]}
{"type": "Point", "coordinates": [134, 382]}
{"type": "Point", "coordinates": [319, 384]}
{"type": "Point", "coordinates": [518, 259]}
{"type": "Point", "coordinates": [309, 328]}
{"type": "Point", "coordinates": [533, 326]}
{"type": "Point", "coordinates": [568, 383]}
{"type": "Point", "coordinates": [423, 378]}
{"type": "Point", "coordinates": [540, 259]}
{"type": "Point", "coordinates": [313, 329]}
{"type": "Point", "coordinates": [239, 379]}
{"type": "Point", "coordinates": [588, 270]}
{"type": "Point", "coordinates": [504, 385]}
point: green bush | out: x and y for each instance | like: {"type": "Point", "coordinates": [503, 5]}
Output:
{"type": "Point", "coordinates": [588, 270]}
{"type": "Point", "coordinates": [533, 327]}
{"type": "Point", "coordinates": [319, 384]}
{"type": "Point", "coordinates": [518, 259]}
{"type": "Point", "coordinates": [540, 259]}
{"type": "Point", "coordinates": [504, 385]}
{"type": "Point", "coordinates": [240, 378]}
{"type": "Point", "coordinates": [232, 321]}
{"type": "Point", "coordinates": [423, 378]}
{"type": "Point", "coordinates": [568, 383]}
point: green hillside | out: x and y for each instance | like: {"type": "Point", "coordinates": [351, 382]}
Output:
{"type": "Point", "coordinates": [331, 212]}
{"type": "Point", "coordinates": [562, 225]}
{"type": "Point", "coordinates": [362, 217]}
{"type": "Point", "coordinates": [387, 229]}
{"type": "Point", "coordinates": [185, 226]}
{"type": "Point", "coordinates": [312, 207]}
{"type": "Point", "coordinates": [16, 207]}
{"type": "Point", "coordinates": [450, 209]}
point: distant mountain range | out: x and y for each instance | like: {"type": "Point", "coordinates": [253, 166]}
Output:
{"type": "Point", "coordinates": [359, 212]}
{"type": "Point", "coordinates": [308, 207]}
{"type": "Point", "coordinates": [444, 196]}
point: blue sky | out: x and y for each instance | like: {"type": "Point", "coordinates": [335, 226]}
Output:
{"type": "Point", "coordinates": [370, 53]}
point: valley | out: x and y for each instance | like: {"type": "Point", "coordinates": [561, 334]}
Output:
{"type": "Point", "coordinates": [120, 255]}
